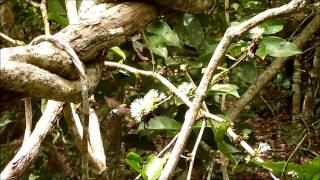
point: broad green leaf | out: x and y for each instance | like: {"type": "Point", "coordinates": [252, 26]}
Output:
{"type": "Point", "coordinates": [154, 167]}
{"type": "Point", "coordinates": [278, 47]}
{"type": "Point", "coordinates": [222, 145]}
{"type": "Point", "coordinates": [161, 123]}
{"type": "Point", "coordinates": [57, 7]}
{"type": "Point", "coordinates": [134, 157]}
{"type": "Point", "coordinates": [262, 51]}
{"type": "Point", "coordinates": [311, 170]}
{"type": "Point", "coordinates": [157, 46]}
{"type": "Point", "coordinates": [63, 21]}
{"type": "Point", "coordinates": [119, 52]}
{"type": "Point", "coordinates": [134, 160]}
{"type": "Point", "coordinates": [272, 27]}
{"type": "Point", "coordinates": [135, 165]}
{"type": "Point", "coordinates": [247, 72]}
{"type": "Point", "coordinates": [190, 30]}
{"type": "Point", "coordinates": [163, 30]}
{"type": "Point", "coordinates": [277, 167]}
{"type": "Point", "coordinates": [225, 89]}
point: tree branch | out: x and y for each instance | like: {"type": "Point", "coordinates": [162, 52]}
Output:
{"type": "Point", "coordinates": [31, 147]}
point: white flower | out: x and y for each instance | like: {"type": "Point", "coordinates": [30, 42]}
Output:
{"type": "Point", "coordinates": [137, 109]}
{"type": "Point", "coordinates": [263, 147]}
{"type": "Point", "coordinates": [256, 32]}
{"type": "Point", "coordinates": [185, 88]}
{"type": "Point", "coordinates": [143, 106]}
{"type": "Point", "coordinates": [293, 174]}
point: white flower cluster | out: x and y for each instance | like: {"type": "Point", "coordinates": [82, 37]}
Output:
{"type": "Point", "coordinates": [185, 88]}
{"type": "Point", "coordinates": [293, 174]}
{"type": "Point", "coordinates": [143, 106]}
{"type": "Point", "coordinates": [256, 32]}
{"type": "Point", "coordinates": [263, 147]}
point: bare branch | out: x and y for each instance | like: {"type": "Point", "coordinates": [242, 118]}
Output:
{"type": "Point", "coordinates": [31, 147]}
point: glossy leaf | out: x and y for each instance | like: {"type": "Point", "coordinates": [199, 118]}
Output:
{"type": "Point", "coordinates": [154, 167]}
{"type": "Point", "coordinates": [272, 27]}
{"type": "Point", "coordinates": [222, 145]}
{"type": "Point", "coordinates": [225, 89]}
{"type": "Point", "coordinates": [247, 72]}
{"type": "Point", "coordinates": [190, 30]}
{"type": "Point", "coordinates": [119, 52]}
{"type": "Point", "coordinates": [157, 46]}
{"type": "Point", "coordinates": [161, 123]}
{"type": "Point", "coordinates": [278, 47]}
{"type": "Point", "coordinates": [163, 30]}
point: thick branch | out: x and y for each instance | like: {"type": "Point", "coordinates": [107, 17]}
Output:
{"type": "Point", "coordinates": [33, 81]}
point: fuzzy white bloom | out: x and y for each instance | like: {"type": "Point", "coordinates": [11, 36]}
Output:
{"type": "Point", "coordinates": [137, 109]}
{"type": "Point", "coordinates": [143, 106]}
{"type": "Point", "coordinates": [185, 88]}
{"type": "Point", "coordinates": [263, 147]}
{"type": "Point", "coordinates": [293, 174]}
{"type": "Point", "coordinates": [256, 32]}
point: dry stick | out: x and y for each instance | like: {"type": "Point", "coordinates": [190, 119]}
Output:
{"type": "Point", "coordinates": [28, 116]}
{"type": "Point", "coordinates": [203, 125]}
{"type": "Point", "coordinates": [31, 147]}
{"type": "Point", "coordinates": [44, 13]}
{"type": "Point", "coordinates": [272, 70]}
{"type": "Point", "coordinates": [291, 155]}
{"type": "Point", "coordinates": [205, 82]}
{"type": "Point", "coordinates": [186, 100]}
{"type": "Point", "coordinates": [95, 147]}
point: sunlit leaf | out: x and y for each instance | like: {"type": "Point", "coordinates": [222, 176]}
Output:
{"type": "Point", "coordinates": [272, 26]}
{"type": "Point", "coordinates": [190, 30]}
{"type": "Point", "coordinates": [163, 30]}
{"type": "Point", "coordinates": [154, 167]}
{"type": "Point", "coordinates": [278, 47]}
{"type": "Point", "coordinates": [119, 52]}
{"type": "Point", "coordinates": [161, 123]}
{"type": "Point", "coordinates": [157, 46]}
{"type": "Point", "coordinates": [225, 89]}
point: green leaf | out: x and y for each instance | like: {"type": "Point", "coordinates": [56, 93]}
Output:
{"type": "Point", "coordinates": [6, 118]}
{"type": "Point", "coordinates": [262, 51]}
{"type": "Point", "coordinates": [163, 30]}
{"type": "Point", "coordinates": [277, 167]}
{"type": "Point", "coordinates": [190, 30]}
{"type": "Point", "coordinates": [119, 52]}
{"type": "Point", "coordinates": [272, 27]}
{"type": "Point", "coordinates": [278, 47]}
{"type": "Point", "coordinates": [63, 21]}
{"type": "Point", "coordinates": [222, 145]}
{"type": "Point", "coordinates": [134, 160]}
{"type": "Point", "coordinates": [57, 7]}
{"type": "Point", "coordinates": [225, 89]}
{"type": "Point", "coordinates": [154, 166]}
{"type": "Point", "coordinates": [247, 72]}
{"type": "Point", "coordinates": [311, 170]}
{"type": "Point", "coordinates": [161, 123]}
{"type": "Point", "coordinates": [134, 157]}
{"type": "Point", "coordinates": [157, 46]}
